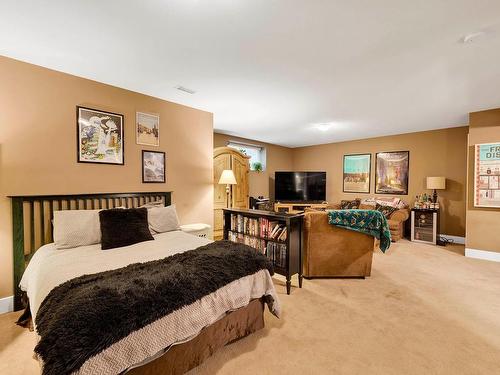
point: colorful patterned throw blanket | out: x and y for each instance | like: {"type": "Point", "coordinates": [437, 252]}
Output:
{"type": "Point", "coordinates": [369, 222]}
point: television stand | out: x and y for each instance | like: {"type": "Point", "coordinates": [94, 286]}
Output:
{"type": "Point", "coordinates": [297, 208]}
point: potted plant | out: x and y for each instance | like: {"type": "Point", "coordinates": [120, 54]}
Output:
{"type": "Point", "coordinates": [257, 166]}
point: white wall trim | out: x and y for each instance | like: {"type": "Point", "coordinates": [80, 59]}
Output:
{"type": "Point", "coordinates": [6, 304]}
{"type": "Point", "coordinates": [456, 239]}
{"type": "Point", "coordinates": [482, 254]}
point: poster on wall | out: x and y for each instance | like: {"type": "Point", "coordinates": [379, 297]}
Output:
{"type": "Point", "coordinates": [153, 166]}
{"type": "Point", "coordinates": [392, 172]}
{"type": "Point", "coordinates": [100, 136]}
{"type": "Point", "coordinates": [356, 173]}
{"type": "Point", "coordinates": [147, 129]}
{"type": "Point", "coordinates": [487, 175]}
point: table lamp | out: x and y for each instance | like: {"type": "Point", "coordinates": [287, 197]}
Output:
{"type": "Point", "coordinates": [436, 183]}
{"type": "Point", "coordinates": [227, 178]}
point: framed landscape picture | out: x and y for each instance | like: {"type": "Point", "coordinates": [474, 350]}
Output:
{"type": "Point", "coordinates": [487, 175]}
{"type": "Point", "coordinates": [153, 166]}
{"type": "Point", "coordinates": [391, 172]}
{"type": "Point", "coordinates": [356, 173]}
{"type": "Point", "coordinates": [147, 129]}
{"type": "Point", "coordinates": [99, 136]}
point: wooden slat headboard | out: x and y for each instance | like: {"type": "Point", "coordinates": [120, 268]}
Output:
{"type": "Point", "coordinates": [32, 221]}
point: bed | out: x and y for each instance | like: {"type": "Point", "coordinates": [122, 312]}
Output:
{"type": "Point", "coordinates": [171, 344]}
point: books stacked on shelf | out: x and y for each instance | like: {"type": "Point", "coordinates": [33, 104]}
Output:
{"type": "Point", "coordinates": [256, 243]}
{"type": "Point", "coordinates": [276, 253]}
{"type": "Point", "coordinates": [279, 233]}
{"type": "Point", "coordinates": [260, 227]}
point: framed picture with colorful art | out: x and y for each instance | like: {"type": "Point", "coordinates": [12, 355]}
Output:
{"type": "Point", "coordinates": [487, 175]}
{"type": "Point", "coordinates": [147, 129]}
{"type": "Point", "coordinates": [392, 172]}
{"type": "Point", "coordinates": [356, 173]}
{"type": "Point", "coordinates": [153, 166]}
{"type": "Point", "coordinates": [99, 136]}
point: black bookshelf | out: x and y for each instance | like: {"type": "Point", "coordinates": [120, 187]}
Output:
{"type": "Point", "coordinates": [285, 254]}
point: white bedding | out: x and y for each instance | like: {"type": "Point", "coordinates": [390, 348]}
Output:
{"type": "Point", "coordinates": [51, 267]}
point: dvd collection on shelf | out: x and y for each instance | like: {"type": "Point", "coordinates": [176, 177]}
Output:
{"type": "Point", "coordinates": [267, 236]}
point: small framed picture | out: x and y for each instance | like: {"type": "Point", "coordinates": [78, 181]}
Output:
{"type": "Point", "coordinates": [99, 136]}
{"type": "Point", "coordinates": [147, 129]}
{"type": "Point", "coordinates": [153, 166]}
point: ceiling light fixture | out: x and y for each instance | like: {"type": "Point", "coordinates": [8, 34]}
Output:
{"type": "Point", "coordinates": [324, 126]}
{"type": "Point", "coordinates": [185, 89]}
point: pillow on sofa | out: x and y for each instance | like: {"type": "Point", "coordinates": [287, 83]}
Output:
{"type": "Point", "coordinates": [350, 205]}
{"type": "Point", "coordinates": [124, 227]}
{"type": "Point", "coordinates": [387, 211]}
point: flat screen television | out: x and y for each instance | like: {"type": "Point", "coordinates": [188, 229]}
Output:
{"type": "Point", "coordinates": [300, 186]}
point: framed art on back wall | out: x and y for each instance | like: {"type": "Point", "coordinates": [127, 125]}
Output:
{"type": "Point", "coordinates": [153, 166]}
{"type": "Point", "coordinates": [147, 129]}
{"type": "Point", "coordinates": [356, 173]}
{"type": "Point", "coordinates": [391, 172]}
{"type": "Point", "coordinates": [99, 136]}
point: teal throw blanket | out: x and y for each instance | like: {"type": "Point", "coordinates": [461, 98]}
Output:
{"type": "Point", "coordinates": [365, 221]}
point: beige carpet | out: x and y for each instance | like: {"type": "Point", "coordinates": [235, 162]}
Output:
{"type": "Point", "coordinates": [425, 310]}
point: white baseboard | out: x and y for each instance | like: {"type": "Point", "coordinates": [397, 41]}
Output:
{"type": "Point", "coordinates": [456, 239]}
{"type": "Point", "coordinates": [6, 304]}
{"type": "Point", "coordinates": [482, 254]}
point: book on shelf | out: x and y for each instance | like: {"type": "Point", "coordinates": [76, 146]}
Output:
{"type": "Point", "coordinates": [256, 243]}
{"type": "Point", "coordinates": [276, 252]}
{"type": "Point", "coordinates": [261, 227]}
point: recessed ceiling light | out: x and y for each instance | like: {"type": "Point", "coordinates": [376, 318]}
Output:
{"type": "Point", "coordinates": [185, 89]}
{"type": "Point", "coordinates": [324, 126]}
{"type": "Point", "coordinates": [469, 38]}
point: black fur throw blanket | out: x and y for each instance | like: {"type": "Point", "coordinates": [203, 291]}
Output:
{"type": "Point", "coordinates": [83, 316]}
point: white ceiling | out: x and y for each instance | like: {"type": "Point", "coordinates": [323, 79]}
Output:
{"type": "Point", "coordinates": [270, 70]}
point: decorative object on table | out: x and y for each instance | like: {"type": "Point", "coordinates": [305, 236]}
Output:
{"type": "Point", "coordinates": [391, 173]}
{"type": "Point", "coordinates": [227, 178]}
{"type": "Point", "coordinates": [197, 229]}
{"type": "Point", "coordinates": [257, 166]}
{"type": "Point", "coordinates": [357, 170]}
{"type": "Point", "coordinates": [99, 136]}
{"type": "Point", "coordinates": [425, 202]}
{"type": "Point", "coordinates": [487, 175]}
{"type": "Point", "coordinates": [436, 183]}
{"type": "Point", "coordinates": [153, 166]}
{"type": "Point", "coordinates": [424, 225]}
{"type": "Point", "coordinates": [147, 129]}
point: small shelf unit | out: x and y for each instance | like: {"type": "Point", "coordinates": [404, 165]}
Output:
{"type": "Point", "coordinates": [276, 235]}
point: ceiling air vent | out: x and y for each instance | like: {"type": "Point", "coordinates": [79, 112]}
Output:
{"type": "Point", "coordinates": [185, 89]}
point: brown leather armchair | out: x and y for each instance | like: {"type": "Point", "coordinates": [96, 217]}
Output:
{"type": "Point", "coordinates": [330, 251]}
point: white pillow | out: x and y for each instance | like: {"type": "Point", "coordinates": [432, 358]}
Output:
{"type": "Point", "coordinates": [73, 228]}
{"type": "Point", "coordinates": [163, 219]}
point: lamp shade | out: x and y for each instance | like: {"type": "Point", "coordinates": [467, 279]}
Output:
{"type": "Point", "coordinates": [227, 177]}
{"type": "Point", "coordinates": [436, 183]}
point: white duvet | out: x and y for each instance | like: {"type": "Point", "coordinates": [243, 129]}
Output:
{"type": "Point", "coordinates": [51, 267]}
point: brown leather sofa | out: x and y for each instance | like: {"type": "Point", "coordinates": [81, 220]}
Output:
{"type": "Point", "coordinates": [330, 251]}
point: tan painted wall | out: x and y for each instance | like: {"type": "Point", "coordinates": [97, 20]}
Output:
{"type": "Point", "coordinates": [278, 158]}
{"type": "Point", "coordinates": [482, 223]}
{"type": "Point", "coordinates": [432, 153]}
{"type": "Point", "coordinates": [38, 146]}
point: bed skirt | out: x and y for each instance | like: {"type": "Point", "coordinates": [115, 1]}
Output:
{"type": "Point", "coordinates": [181, 358]}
